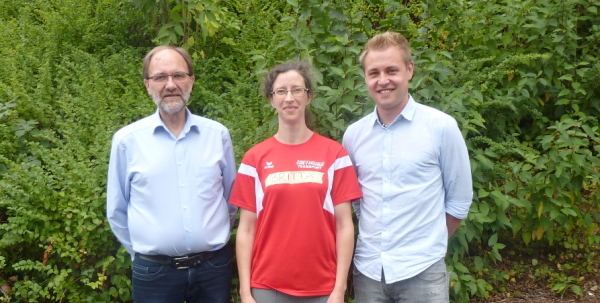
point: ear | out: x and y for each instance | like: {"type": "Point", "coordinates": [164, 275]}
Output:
{"type": "Point", "coordinates": [147, 85]}
{"type": "Point", "coordinates": [271, 101]}
{"type": "Point", "coordinates": [410, 69]}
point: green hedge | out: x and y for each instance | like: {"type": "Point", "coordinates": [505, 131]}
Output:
{"type": "Point", "coordinates": [520, 77]}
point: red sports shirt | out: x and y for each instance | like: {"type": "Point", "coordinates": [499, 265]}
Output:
{"type": "Point", "coordinates": [293, 190]}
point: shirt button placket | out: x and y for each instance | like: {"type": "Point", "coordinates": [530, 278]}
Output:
{"type": "Point", "coordinates": [386, 189]}
{"type": "Point", "coordinates": [184, 191]}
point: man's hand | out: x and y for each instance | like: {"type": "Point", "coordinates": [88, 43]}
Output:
{"type": "Point", "coordinates": [452, 224]}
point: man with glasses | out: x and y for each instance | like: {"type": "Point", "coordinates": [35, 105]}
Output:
{"type": "Point", "coordinates": [413, 168]}
{"type": "Point", "coordinates": [169, 180]}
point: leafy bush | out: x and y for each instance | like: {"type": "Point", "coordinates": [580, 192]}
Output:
{"type": "Point", "coordinates": [519, 78]}
{"type": "Point", "coordinates": [60, 104]}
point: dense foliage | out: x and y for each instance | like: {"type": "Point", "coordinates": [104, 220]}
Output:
{"type": "Point", "coordinates": [520, 76]}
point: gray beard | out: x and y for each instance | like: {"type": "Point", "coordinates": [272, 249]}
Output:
{"type": "Point", "coordinates": [171, 107]}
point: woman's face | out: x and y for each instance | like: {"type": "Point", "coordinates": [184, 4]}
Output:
{"type": "Point", "coordinates": [290, 97]}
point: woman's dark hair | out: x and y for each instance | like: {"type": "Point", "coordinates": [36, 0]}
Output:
{"type": "Point", "coordinates": [302, 67]}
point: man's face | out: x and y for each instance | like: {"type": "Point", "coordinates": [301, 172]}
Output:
{"type": "Point", "coordinates": [387, 77]}
{"type": "Point", "coordinates": [171, 96]}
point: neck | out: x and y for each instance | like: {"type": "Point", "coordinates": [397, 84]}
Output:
{"type": "Point", "coordinates": [174, 122]}
{"type": "Point", "coordinates": [385, 117]}
{"type": "Point", "coordinates": [293, 134]}
{"type": "Point", "coordinates": [388, 115]}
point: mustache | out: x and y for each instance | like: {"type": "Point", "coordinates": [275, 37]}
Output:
{"type": "Point", "coordinates": [171, 92]}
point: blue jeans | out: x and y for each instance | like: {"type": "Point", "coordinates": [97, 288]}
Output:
{"type": "Point", "coordinates": [209, 282]}
{"type": "Point", "coordinates": [430, 286]}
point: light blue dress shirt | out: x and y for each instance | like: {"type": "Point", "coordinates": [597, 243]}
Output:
{"type": "Point", "coordinates": [411, 174]}
{"type": "Point", "coordinates": [167, 195]}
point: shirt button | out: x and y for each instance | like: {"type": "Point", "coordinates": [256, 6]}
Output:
{"type": "Point", "coordinates": [185, 207]}
{"type": "Point", "coordinates": [182, 185]}
{"type": "Point", "coordinates": [187, 229]}
{"type": "Point", "coordinates": [180, 163]}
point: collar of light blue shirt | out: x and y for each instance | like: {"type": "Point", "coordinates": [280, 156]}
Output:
{"type": "Point", "coordinates": [407, 113]}
{"type": "Point", "coordinates": [190, 122]}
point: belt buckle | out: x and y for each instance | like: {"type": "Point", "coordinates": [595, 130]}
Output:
{"type": "Point", "coordinates": [179, 263]}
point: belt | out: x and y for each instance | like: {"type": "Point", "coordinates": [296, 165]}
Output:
{"type": "Point", "coordinates": [181, 262]}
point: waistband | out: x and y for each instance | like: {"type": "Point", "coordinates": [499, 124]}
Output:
{"type": "Point", "coordinates": [180, 262]}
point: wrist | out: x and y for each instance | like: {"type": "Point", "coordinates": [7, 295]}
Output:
{"type": "Point", "coordinates": [244, 292]}
{"type": "Point", "coordinates": [339, 290]}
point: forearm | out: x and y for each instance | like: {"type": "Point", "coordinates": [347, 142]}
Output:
{"type": "Point", "coordinates": [452, 223]}
{"type": "Point", "coordinates": [344, 246]}
{"type": "Point", "coordinates": [344, 249]}
{"type": "Point", "coordinates": [244, 244]}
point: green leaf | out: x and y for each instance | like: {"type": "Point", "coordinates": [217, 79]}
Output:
{"type": "Point", "coordinates": [337, 14]}
{"type": "Point", "coordinates": [526, 237]}
{"type": "Point", "coordinates": [478, 95]}
{"type": "Point", "coordinates": [460, 267]}
{"type": "Point", "coordinates": [492, 240]}
{"type": "Point", "coordinates": [485, 161]}
{"type": "Point", "coordinates": [478, 262]}
{"type": "Point", "coordinates": [482, 193]}
{"type": "Point", "coordinates": [569, 212]}
{"type": "Point", "coordinates": [164, 31]}
{"type": "Point", "coordinates": [568, 77]}
{"type": "Point", "coordinates": [338, 71]}
{"type": "Point", "coordinates": [179, 29]}
{"type": "Point", "coordinates": [564, 92]}
{"type": "Point", "coordinates": [484, 209]}
{"type": "Point", "coordinates": [510, 186]}
{"type": "Point", "coordinates": [559, 287]}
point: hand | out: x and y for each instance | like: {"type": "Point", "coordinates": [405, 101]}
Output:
{"type": "Point", "coordinates": [248, 299]}
{"type": "Point", "coordinates": [336, 297]}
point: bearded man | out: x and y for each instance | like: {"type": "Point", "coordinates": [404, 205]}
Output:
{"type": "Point", "coordinates": [169, 179]}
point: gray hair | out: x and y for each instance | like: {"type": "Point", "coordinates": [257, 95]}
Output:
{"type": "Point", "coordinates": [181, 51]}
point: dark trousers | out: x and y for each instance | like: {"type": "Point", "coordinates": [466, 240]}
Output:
{"type": "Point", "coordinates": [209, 282]}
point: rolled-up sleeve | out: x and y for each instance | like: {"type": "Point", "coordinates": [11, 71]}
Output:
{"type": "Point", "coordinates": [456, 170]}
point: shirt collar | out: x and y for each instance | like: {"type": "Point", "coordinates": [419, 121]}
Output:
{"type": "Point", "coordinates": [407, 113]}
{"type": "Point", "coordinates": [190, 123]}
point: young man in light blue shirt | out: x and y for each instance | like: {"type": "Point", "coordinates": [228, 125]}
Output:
{"type": "Point", "coordinates": [413, 168]}
{"type": "Point", "coordinates": [169, 180]}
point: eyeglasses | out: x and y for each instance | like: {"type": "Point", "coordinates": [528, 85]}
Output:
{"type": "Point", "coordinates": [178, 77]}
{"type": "Point", "coordinates": [283, 92]}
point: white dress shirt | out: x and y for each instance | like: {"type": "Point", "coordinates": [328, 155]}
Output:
{"type": "Point", "coordinates": [411, 173]}
{"type": "Point", "coordinates": [167, 195]}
